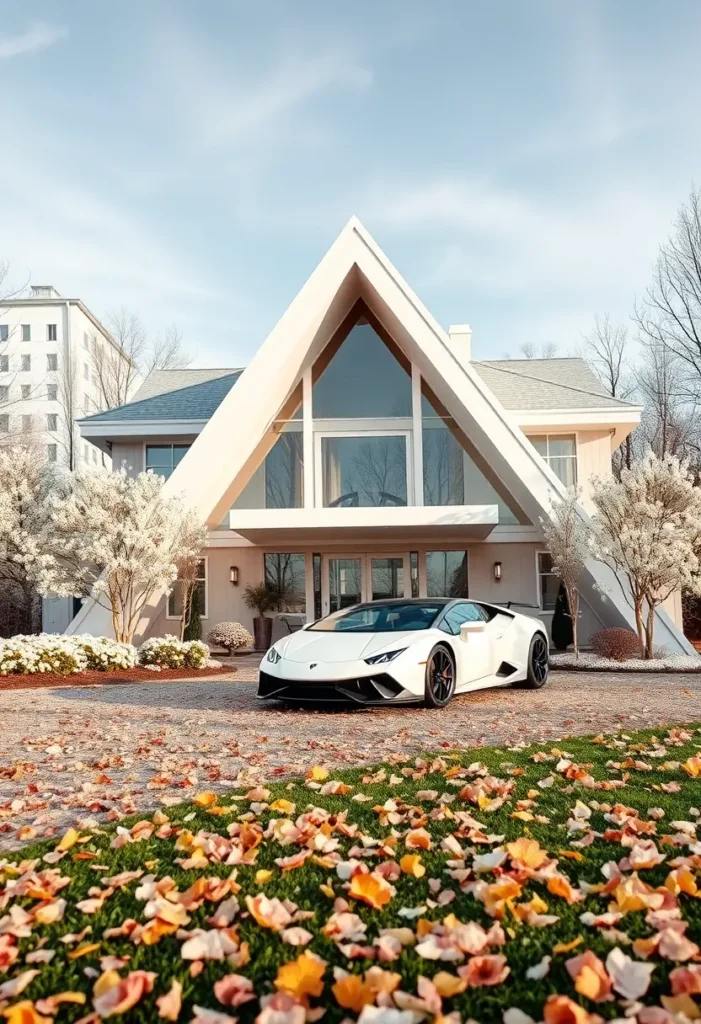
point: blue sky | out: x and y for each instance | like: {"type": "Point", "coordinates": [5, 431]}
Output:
{"type": "Point", "coordinates": [519, 162]}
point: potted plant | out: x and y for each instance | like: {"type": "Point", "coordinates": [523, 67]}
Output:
{"type": "Point", "coordinates": [261, 598]}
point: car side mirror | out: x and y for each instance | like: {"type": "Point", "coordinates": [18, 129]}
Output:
{"type": "Point", "coordinates": [470, 629]}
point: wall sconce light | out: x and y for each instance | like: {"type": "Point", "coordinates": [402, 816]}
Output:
{"type": "Point", "coordinates": [234, 575]}
{"type": "Point", "coordinates": [497, 571]}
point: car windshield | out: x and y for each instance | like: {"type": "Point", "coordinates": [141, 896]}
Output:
{"type": "Point", "coordinates": [381, 618]}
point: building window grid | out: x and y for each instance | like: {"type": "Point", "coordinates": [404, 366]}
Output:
{"type": "Point", "coordinates": [52, 452]}
{"type": "Point", "coordinates": [560, 453]}
{"type": "Point", "coordinates": [4, 423]}
{"type": "Point", "coordinates": [52, 421]}
{"type": "Point", "coordinates": [52, 392]}
{"type": "Point", "coordinates": [4, 364]}
{"type": "Point", "coordinates": [4, 332]}
{"type": "Point", "coordinates": [26, 392]}
{"type": "Point", "coordinates": [52, 361]}
{"type": "Point", "coordinates": [51, 332]}
{"type": "Point", "coordinates": [26, 363]}
{"type": "Point", "coordinates": [26, 332]}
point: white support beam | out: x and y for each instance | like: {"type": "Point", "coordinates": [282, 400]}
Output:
{"type": "Point", "coordinates": [308, 438]}
{"type": "Point", "coordinates": [417, 436]}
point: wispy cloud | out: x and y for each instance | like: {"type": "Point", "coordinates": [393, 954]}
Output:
{"type": "Point", "coordinates": [39, 35]}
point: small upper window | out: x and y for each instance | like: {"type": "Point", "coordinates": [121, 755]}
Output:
{"type": "Point", "coordinates": [51, 452]}
{"type": "Point", "coordinates": [51, 332]}
{"type": "Point", "coordinates": [560, 453]}
{"type": "Point", "coordinates": [52, 392]}
{"type": "Point", "coordinates": [4, 423]}
{"type": "Point", "coordinates": [85, 341]}
{"type": "Point", "coordinates": [52, 361]}
{"type": "Point", "coordinates": [162, 459]}
{"type": "Point", "coordinates": [4, 364]}
{"type": "Point", "coordinates": [26, 332]}
{"type": "Point", "coordinates": [548, 583]}
{"type": "Point", "coordinates": [4, 332]}
{"type": "Point", "coordinates": [52, 421]}
{"type": "Point", "coordinates": [26, 362]}
{"type": "Point", "coordinates": [26, 391]}
{"type": "Point", "coordinates": [4, 393]}
{"type": "Point", "coordinates": [27, 423]}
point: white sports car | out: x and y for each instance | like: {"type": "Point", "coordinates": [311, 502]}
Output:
{"type": "Point", "coordinates": [422, 649]}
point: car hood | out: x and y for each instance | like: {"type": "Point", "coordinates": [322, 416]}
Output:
{"type": "Point", "coordinates": [321, 646]}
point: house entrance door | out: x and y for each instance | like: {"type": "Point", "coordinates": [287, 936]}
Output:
{"type": "Point", "coordinates": [350, 579]}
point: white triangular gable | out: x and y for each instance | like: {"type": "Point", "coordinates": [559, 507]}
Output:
{"type": "Point", "coordinates": [236, 438]}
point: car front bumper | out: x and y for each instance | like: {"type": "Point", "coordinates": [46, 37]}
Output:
{"type": "Point", "coordinates": [370, 690]}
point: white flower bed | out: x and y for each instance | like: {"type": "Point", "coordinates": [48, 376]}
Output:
{"type": "Point", "coordinates": [169, 652]}
{"type": "Point", "coordinates": [669, 663]}
{"type": "Point", "coordinates": [105, 655]}
{"type": "Point", "coordinates": [45, 652]}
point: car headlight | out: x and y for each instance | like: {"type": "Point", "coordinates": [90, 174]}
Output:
{"type": "Point", "coordinates": [273, 656]}
{"type": "Point", "coordinates": [382, 659]}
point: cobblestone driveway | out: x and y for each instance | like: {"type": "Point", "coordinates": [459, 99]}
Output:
{"type": "Point", "coordinates": [91, 754]}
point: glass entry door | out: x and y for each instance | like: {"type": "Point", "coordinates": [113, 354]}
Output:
{"type": "Point", "coordinates": [350, 579]}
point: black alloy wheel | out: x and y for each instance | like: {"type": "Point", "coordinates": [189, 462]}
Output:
{"type": "Point", "coordinates": [538, 663]}
{"type": "Point", "coordinates": [440, 678]}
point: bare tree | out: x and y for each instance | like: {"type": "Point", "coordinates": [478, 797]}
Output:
{"type": "Point", "coordinates": [606, 348]}
{"type": "Point", "coordinates": [670, 312]}
{"type": "Point", "coordinates": [670, 422]}
{"type": "Point", "coordinates": [528, 350]}
{"type": "Point", "coordinates": [116, 374]}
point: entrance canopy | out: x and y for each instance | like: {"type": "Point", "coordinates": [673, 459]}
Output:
{"type": "Point", "coordinates": [315, 525]}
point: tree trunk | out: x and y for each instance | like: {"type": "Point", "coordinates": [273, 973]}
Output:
{"type": "Point", "coordinates": [573, 601]}
{"type": "Point", "coordinates": [639, 625]}
{"type": "Point", "coordinates": [649, 632]}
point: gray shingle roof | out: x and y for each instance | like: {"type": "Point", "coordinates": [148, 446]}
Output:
{"type": "Point", "coordinates": [533, 384]}
{"type": "Point", "coordinates": [519, 384]}
{"type": "Point", "coordinates": [173, 395]}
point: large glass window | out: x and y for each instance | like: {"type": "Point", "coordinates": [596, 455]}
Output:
{"type": "Point", "coordinates": [279, 480]}
{"type": "Point", "coordinates": [548, 583]}
{"type": "Point", "coordinates": [364, 470]}
{"type": "Point", "coordinates": [285, 573]}
{"type": "Point", "coordinates": [162, 459]}
{"type": "Point", "coordinates": [387, 578]}
{"type": "Point", "coordinates": [175, 598]}
{"type": "Point", "coordinates": [454, 473]}
{"type": "Point", "coordinates": [362, 379]}
{"type": "Point", "coordinates": [446, 573]}
{"type": "Point", "coordinates": [560, 453]}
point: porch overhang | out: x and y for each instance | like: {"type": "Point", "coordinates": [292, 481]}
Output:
{"type": "Point", "coordinates": [315, 525]}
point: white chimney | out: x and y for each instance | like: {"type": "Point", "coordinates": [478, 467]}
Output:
{"type": "Point", "coordinates": [461, 336]}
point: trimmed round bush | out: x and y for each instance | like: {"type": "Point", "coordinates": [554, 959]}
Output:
{"type": "Point", "coordinates": [231, 635]}
{"type": "Point", "coordinates": [105, 655]}
{"type": "Point", "coordinates": [617, 644]}
{"type": "Point", "coordinates": [170, 652]}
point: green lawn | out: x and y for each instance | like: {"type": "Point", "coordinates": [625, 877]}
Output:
{"type": "Point", "coordinates": [165, 895]}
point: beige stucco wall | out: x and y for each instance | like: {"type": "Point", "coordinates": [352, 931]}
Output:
{"type": "Point", "coordinates": [593, 459]}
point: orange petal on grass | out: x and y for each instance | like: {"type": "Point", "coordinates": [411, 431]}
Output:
{"type": "Point", "coordinates": [352, 993]}
{"type": "Point", "coordinates": [490, 969]}
{"type": "Point", "coordinates": [411, 865]}
{"type": "Point", "coordinates": [692, 766]}
{"type": "Point", "coordinates": [527, 852]}
{"type": "Point", "coordinates": [567, 947]}
{"type": "Point", "coordinates": [24, 1013]}
{"type": "Point", "coordinates": [563, 1010]}
{"type": "Point", "coordinates": [169, 1004]}
{"type": "Point", "coordinates": [303, 976]}
{"type": "Point", "coordinates": [418, 839]}
{"type": "Point", "coordinates": [205, 799]}
{"type": "Point", "coordinates": [113, 994]}
{"type": "Point", "coordinates": [686, 980]}
{"type": "Point", "coordinates": [560, 886]}
{"type": "Point", "coordinates": [371, 889]}
{"type": "Point", "coordinates": [269, 913]}
{"type": "Point", "coordinates": [590, 976]}
{"type": "Point", "coordinates": [447, 985]}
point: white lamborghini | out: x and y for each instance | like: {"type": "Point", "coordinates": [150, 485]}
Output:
{"type": "Point", "coordinates": [404, 650]}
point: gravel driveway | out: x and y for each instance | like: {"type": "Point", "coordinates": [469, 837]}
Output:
{"type": "Point", "coordinates": [90, 754]}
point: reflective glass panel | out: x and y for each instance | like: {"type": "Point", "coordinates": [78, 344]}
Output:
{"type": "Point", "coordinates": [364, 471]}
{"type": "Point", "coordinates": [344, 583]}
{"type": "Point", "coordinates": [278, 482]}
{"type": "Point", "coordinates": [387, 578]}
{"type": "Point", "coordinates": [363, 379]}
{"type": "Point", "coordinates": [285, 573]}
{"type": "Point", "coordinates": [446, 573]}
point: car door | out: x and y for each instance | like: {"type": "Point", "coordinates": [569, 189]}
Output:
{"type": "Point", "coordinates": [474, 655]}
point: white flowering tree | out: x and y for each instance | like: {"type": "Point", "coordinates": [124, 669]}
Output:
{"type": "Point", "coordinates": [647, 528]}
{"type": "Point", "coordinates": [118, 538]}
{"type": "Point", "coordinates": [567, 538]}
{"type": "Point", "coordinates": [24, 482]}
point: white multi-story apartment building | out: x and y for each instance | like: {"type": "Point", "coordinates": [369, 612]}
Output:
{"type": "Point", "coordinates": [47, 373]}
{"type": "Point", "coordinates": [50, 348]}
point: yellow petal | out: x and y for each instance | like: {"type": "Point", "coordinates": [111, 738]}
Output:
{"type": "Point", "coordinates": [206, 798]}
{"type": "Point", "coordinates": [70, 838]}
{"type": "Point", "coordinates": [263, 876]}
{"type": "Point", "coordinates": [317, 773]}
